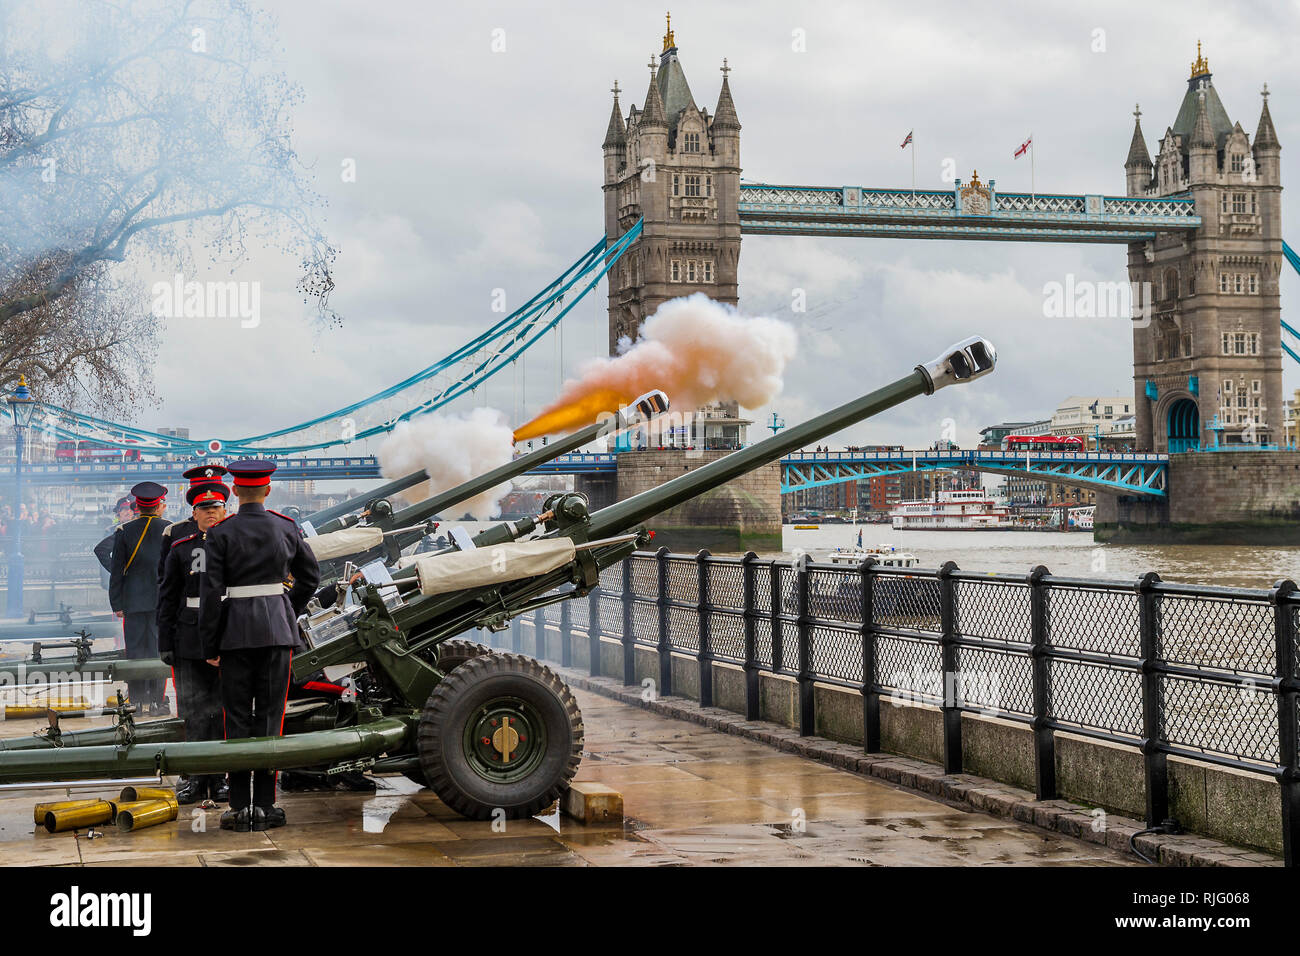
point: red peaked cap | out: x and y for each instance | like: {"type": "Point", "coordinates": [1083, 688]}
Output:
{"type": "Point", "coordinates": [208, 492]}
{"type": "Point", "coordinates": [252, 472]}
{"type": "Point", "coordinates": [148, 493]}
{"type": "Point", "coordinates": [202, 474]}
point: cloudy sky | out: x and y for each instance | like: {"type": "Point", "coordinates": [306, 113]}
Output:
{"type": "Point", "coordinates": [478, 170]}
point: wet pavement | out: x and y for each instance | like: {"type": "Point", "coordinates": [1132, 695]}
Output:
{"type": "Point", "coordinates": [692, 797]}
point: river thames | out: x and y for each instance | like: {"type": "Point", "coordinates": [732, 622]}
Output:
{"type": "Point", "coordinates": [1066, 553]}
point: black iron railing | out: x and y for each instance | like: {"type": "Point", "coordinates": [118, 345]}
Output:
{"type": "Point", "coordinates": [1207, 673]}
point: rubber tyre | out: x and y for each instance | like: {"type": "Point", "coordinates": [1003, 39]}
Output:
{"type": "Point", "coordinates": [453, 704]}
{"type": "Point", "coordinates": [448, 656]}
{"type": "Point", "coordinates": [452, 654]}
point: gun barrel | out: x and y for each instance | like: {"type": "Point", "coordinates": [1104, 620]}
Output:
{"type": "Point", "coordinates": [397, 486]}
{"type": "Point", "coordinates": [967, 360]}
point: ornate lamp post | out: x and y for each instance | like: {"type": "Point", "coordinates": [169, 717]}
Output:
{"type": "Point", "coordinates": [21, 407]}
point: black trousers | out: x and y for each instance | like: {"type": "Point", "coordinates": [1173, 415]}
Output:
{"type": "Point", "coordinates": [140, 629]}
{"type": "Point", "coordinates": [198, 699]}
{"type": "Point", "coordinates": [254, 686]}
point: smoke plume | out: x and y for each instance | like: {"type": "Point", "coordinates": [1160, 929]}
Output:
{"type": "Point", "coordinates": [452, 449]}
{"type": "Point", "coordinates": [695, 349]}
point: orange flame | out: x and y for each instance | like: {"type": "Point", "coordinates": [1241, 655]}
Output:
{"type": "Point", "coordinates": [583, 410]}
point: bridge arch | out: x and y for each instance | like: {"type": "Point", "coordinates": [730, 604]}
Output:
{"type": "Point", "coordinates": [1183, 425]}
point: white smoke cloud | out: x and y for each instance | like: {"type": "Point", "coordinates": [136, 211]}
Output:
{"type": "Point", "coordinates": [452, 449]}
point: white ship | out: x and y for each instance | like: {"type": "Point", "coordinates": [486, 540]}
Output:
{"type": "Point", "coordinates": [952, 511]}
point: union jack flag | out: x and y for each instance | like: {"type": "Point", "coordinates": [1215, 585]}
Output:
{"type": "Point", "coordinates": [906, 141]}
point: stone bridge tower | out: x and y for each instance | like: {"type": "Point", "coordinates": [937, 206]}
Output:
{"type": "Point", "coordinates": [677, 167]}
{"type": "Point", "coordinates": [1212, 348]}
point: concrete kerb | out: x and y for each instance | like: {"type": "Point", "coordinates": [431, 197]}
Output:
{"type": "Point", "coordinates": [979, 793]}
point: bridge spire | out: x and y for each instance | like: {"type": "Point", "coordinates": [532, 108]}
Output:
{"type": "Point", "coordinates": [724, 117]}
{"type": "Point", "coordinates": [1138, 155]}
{"type": "Point", "coordinates": [653, 114]}
{"type": "Point", "coordinates": [616, 133]}
{"type": "Point", "coordinates": [1265, 134]}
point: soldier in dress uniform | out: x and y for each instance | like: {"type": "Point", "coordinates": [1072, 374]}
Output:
{"type": "Point", "coordinates": [247, 625]}
{"type": "Point", "coordinates": [198, 475]}
{"type": "Point", "coordinates": [198, 683]}
{"type": "Point", "coordinates": [133, 589]}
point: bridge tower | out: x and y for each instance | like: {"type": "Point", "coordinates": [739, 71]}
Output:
{"type": "Point", "coordinates": [1212, 347]}
{"type": "Point", "coordinates": [678, 168]}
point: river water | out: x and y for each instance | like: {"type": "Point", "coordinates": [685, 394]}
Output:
{"type": "Point", "coordinates": [1066, 553]}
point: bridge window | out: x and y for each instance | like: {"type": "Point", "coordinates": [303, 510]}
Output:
{"type": "Point", "coordinates": [1187, 346]}
{"type": "Point", "coordinates": [1252, 282]}
{"type": "Point", "coordinates": [691, 142]}
{"type": "Point", "coordinates": [1223, 204]}
{"type": "Point", "coordinates": [692, 185]}
{"type": "Point", "coordinates": [708, 186]}
{"type": "Point", "coordinates": [1227, 386]}
{"type": "Point", "coordinates": [1255, 385]}
{"type": "Point", "coordinates": [1237, 162]}
{"type": "Point", "coordinates": [1223, 282]}
{"type": "Point", "coordinates": [1238, 202]}
{"type": "Point", "coordinates": [677, 184]}
{"type": "Point", "coordinates": [708, 270]}
{"type": "Point", "coordinates": [675, 271]}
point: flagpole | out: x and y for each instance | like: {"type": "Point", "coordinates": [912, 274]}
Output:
{"type": "Point", "coordinates": [1032, 189]}
{"type": "Point", "coordinates": [913, 144]}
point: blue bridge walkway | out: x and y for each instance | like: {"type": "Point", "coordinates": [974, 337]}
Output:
{"type": "Point", "coordinates": [1134, 474]}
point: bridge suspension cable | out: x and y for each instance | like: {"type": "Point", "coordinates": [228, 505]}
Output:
{"type": "Point", "coordinates": [454, 375]}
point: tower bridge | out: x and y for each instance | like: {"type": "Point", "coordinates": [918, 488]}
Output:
{"type": "Point", "coordinates": [1201, 222]}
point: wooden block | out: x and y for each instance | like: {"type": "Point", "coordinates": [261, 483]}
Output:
{"type": "Point", "coordinates": [592, 803]}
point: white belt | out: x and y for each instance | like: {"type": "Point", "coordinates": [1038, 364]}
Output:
{"type": "Point", "coordinates": [254, 590]}
{"type": "Point", "coordinates": [191, 602]}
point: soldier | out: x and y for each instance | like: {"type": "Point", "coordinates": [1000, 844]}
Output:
{"type": "Point", "coordinates": [123, 512]}
{"type": "Point", "coordinates": [198, 475]}
{"type": "Point", "coordinates": [247, 626]}
{"type": "Point", "coordinates": [198, 683]}
{"type": "Point", "coordinates": [133, 589]}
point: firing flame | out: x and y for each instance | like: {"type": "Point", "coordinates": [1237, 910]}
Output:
{"type": "Point", "coordinates": [695, 349]}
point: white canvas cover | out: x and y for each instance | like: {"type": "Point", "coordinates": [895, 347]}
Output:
{"type": "Point", "coordinates": [338, 544]}
{"type": "Point", "coordinates": [495, 564]}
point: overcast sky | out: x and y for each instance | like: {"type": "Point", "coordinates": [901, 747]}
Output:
{"type": "Point", "coordinates": [478, 170]}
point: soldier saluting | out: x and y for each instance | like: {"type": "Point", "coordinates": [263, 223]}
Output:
{"type": "Point", "coordinates": [198, 683]}
{"type": "Point", "coordinates": [247, 625]}
{"type": "Point", "coordinates": [133, 588]}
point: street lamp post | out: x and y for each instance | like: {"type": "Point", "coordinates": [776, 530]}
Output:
{"type": "Point", "coordinates": [21, 407]}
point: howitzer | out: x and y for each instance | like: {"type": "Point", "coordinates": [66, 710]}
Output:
{"type": "Point", "coordinates": [380, 531]}
{"type": "Point", "coordinates": [484, 730]}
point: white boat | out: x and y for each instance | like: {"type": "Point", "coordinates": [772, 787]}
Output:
{"type": "Point", "coordinates": [952, 511]}
{"type": "Point", "coordinates": [1081, 518]}
{"type": "Point", "coordinates": [885, 554]}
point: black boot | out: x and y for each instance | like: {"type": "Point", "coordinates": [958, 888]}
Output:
{"type": "Point", "coordinates": [218, 791]}
{"type": "Point", "coordinates": [268, 818]}
{"type": "Point", "coordinates": [194, 790]}
{"type": "Point", "coordinates": [241, 821]}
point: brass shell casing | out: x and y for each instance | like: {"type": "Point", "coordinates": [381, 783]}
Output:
{"type": "Point", "coordinates": [148, 793]}
{"type": "Point", "coordinates": [75, 817]}
{"type": "Point", "coordinates": [144, 813]}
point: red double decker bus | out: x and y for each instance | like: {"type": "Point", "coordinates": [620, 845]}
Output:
{"type": "Point", "coordinates": [1043, 443]}
{"type": "Point", "coordinates": [87, 451]}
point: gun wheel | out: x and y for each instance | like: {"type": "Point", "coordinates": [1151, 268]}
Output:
{"type": "Point", "coordinates": [501, 732]}
{"type": "Point", "coordinates": [451, 654]}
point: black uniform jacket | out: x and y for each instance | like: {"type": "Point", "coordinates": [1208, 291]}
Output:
{"type": "Point", "coordinates": [133, 577]}
{"type": "Point", "coordinates": [178, 621]}
{"type": "Point", "coordinates": [254, 547]}
{"type": "Point", "coordinates": [171, 534]}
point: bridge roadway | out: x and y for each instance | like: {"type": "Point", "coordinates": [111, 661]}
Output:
{"type": "Point", "coordinates": [1130, 473]}
{"type": "Point", "coordinates": [692, 796]}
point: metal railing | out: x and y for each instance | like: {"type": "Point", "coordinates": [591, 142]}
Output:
{"type": "Point", "coordinates": [1206, 673]}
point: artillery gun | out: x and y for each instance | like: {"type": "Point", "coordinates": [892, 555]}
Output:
{"type": "Point", "coordinates": [367, 527]}
{"type": "Point", "coordinates": [496, 731]}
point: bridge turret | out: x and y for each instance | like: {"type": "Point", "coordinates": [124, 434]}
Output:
{"type": "Point", "coordinates": [1137, 168]}
{"type": "Point", "coordinates": [1268, 151]}
{"type": "Point", "coordinates": [1202, 151]}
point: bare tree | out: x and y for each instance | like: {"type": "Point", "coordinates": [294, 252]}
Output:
{"type": "Point", "coordinates": [144, 130]}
